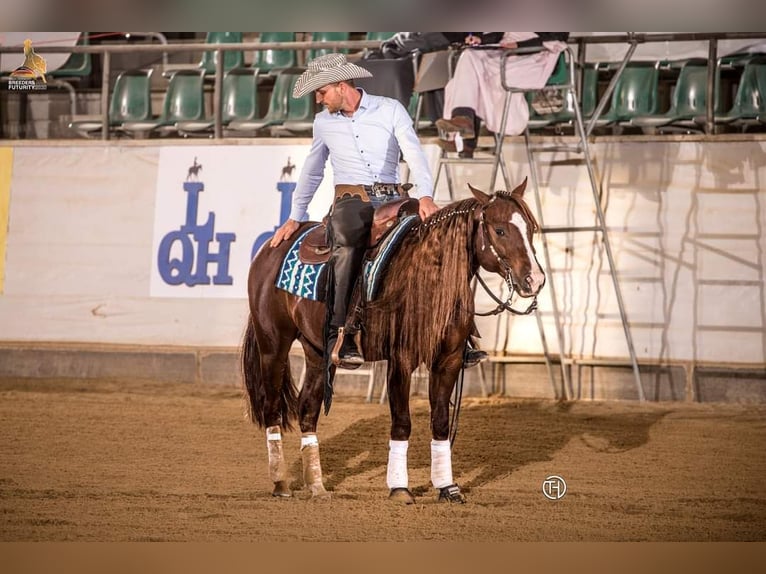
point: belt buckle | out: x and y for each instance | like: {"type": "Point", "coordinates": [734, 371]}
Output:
{"type": "Point", "coordinates": [382, 189]}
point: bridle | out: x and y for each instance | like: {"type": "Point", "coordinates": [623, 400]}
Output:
{"type": "Point", "coordinates": [504, 266]}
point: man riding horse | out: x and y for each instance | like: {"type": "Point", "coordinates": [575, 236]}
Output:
{"type": "Point", "coordinates": [363, 135]}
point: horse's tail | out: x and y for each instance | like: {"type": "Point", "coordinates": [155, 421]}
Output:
{"type": "Point", "coordinates": [255, 385]}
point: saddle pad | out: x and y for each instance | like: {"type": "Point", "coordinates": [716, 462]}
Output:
{"type": "Point", "coordinates": [302, 279]}
{"type": "Point", "coordinates": [374, 269]}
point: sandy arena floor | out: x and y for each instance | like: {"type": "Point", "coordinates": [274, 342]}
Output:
{"type": "Point", "coordinates": [138, 461]}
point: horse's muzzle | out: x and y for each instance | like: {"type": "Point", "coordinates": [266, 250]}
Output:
{"type": "Point", "coordinates": [531, 284]}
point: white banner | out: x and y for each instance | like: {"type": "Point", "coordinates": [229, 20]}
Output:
{"type": "Point", "coordinates": [215, 206]}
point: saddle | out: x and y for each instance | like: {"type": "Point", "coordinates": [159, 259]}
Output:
{"type": "Point", "coordinates": [315, 249]}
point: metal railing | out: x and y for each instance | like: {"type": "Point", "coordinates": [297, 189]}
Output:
{"type": "Point", "coordinates": [631, 39]}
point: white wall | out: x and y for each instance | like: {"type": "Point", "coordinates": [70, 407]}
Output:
{"type": "Point", "coordinates": [686, 223]}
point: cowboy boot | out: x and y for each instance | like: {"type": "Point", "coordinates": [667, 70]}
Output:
{"type": "Point", "coordinates": [472, 355]}
{"type": "Point", "coordinates": [459, 133]}
{"type": "Point", "coordinates": [345, 353]}
{"type": "Point", "coordinates": [350, 223]}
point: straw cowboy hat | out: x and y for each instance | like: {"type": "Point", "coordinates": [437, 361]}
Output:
{"type": "Point", "coordinates": [327, 69]}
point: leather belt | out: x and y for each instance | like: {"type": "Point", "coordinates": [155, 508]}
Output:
{"type": "Point", "coordinates": [364, 192]}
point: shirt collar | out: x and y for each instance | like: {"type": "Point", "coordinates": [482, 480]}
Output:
{"type": "Point", "coordinates": [364, 103]}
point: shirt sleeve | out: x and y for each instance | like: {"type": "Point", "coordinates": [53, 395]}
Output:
{"type": "Point", "coordinates": [420, 172]}
{"type": "Point", "coordinates": [310, 178]}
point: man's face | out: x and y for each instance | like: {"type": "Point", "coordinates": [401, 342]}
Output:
{"type": "Point", "coordinates": [331, 97]}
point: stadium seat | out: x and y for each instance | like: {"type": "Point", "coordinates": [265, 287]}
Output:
{"type": "Point", "coordinates": [635, 94]}
{"type": "Point", "coordinates": [749, 107]}
{"type": "Point", "coordinates": [77, 66]}
{"type": "Point", "coordinates": [131, 101]}
{"type": "Point", "coordinates": [689, 100]}
{"type": "Point", "coordinates": [239, 102]}
{"type": "Point", "coordinates": [588, 93]}
{"type": "Point", "coordinates": [273, 61]}
{"type": "Point", "coordinates": [231, 59]}
{"type": "Point", "coordinates": [278, 106]}
{"type": "Point", "coordinates": [184, 101]}
{"type": "Point", "coordinates": [327, 37]}
{"type": "Point", "coordinates": [300, 114]}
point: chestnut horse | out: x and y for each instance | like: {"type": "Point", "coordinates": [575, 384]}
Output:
{"type": "Point", "coordinates": [423, 314]}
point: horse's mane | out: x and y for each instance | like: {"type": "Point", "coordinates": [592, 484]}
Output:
{"type": "Point", "coordinates": [427, 287]}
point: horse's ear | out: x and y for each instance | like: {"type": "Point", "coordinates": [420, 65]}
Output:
{"type": "Point", "coordinates": [519, 191]}
{"type": "Point", "coordinates": [481, 197]}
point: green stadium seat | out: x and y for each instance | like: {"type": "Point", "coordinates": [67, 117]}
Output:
{"type": "Point", "coordinates": [77, 66]}
{"type": "Point", "coordinates": [587, 99]}
{"type": "Point", "coordinates": [131, 101]}
{"type": "Point", "coordinates": [239, 102]}
{"type": "Point", "coordinates": [300, 114]}
{"type": "Point", "coordinates": [231, 59]}
{"type": "Point", "coordinates": [327, 37]}
{"type": "Point", "coordinates": [749, 107]}
{"type": "Point", "coordinates": [184, 101]}
{"type": "Point", "coordinates": [278, 106]}
{"type": "Point", "coordinates": [635, 94]}
{"type": "Point", "coordinates": [273, 61]}
{"type": "Point", "coordinates": [689, 100]}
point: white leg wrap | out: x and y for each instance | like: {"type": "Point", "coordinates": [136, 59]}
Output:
{"type": "Point", "coordinates": [312, 467]}
{"type": "Point", "coordinates": [308, 440]}
{"type": "Point", "coordinates": [441, 463]}
{"type": "Point", "coordinates": [397, 464]}
{"type": "Point", "coordinates": [277, 466]}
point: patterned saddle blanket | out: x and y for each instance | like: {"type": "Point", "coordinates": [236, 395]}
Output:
{"type": "Point", "coordinates": [308, 280]}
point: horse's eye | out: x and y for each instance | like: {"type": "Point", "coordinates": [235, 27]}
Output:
{"type": "Point", "coordinates": [500, 231]}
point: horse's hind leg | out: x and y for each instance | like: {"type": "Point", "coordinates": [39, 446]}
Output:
{"type": "Point", "coordinates": [278, 408]}
{"type": "Point", "coordinates": [397, 477]}
{"type": "Point", "coordinates": [309, 406]}
{"type": "Point", "coordinates": [277, 465]}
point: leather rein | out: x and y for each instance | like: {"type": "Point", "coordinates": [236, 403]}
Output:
{"type": "Point", "coordinates": [507, 275]}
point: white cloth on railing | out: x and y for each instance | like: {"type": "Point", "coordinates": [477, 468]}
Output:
{"type": "Point", "coordinates": [476, 82]}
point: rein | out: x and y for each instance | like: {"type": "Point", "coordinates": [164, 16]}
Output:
{"type": "Point", "coordinates": [507, 277]}
{"type": "Point", "coordinates": [504, 305]}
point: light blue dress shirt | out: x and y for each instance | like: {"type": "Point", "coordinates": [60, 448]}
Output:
{"type": "Point", "coordinates": [363, 149]}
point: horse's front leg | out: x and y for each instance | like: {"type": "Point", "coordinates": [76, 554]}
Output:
{"type": "Point", "coordinates": [444, 374]}
{"type": "Point", "coordinates": [397, 477]}
{"type": "Point", "coordinates": [309, 406]}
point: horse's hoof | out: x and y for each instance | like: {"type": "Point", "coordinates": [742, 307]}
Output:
{"type": "Point", "coordinates": [319, 493]}
{"type": "Point", "coordinates": [281, 490]}
{"type": "Point", "coordinates": [451, 493]}
{"type": "Point", "coordinates": [401, 495]}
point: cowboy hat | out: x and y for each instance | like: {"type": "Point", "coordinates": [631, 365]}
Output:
{"type": "Point", "coordinates": [327, 69]}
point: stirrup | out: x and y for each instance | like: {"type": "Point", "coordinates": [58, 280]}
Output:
{"type": "Point", "coordinates": [473, 357]}
{"type": "Point", "coordinates": [352, 359]}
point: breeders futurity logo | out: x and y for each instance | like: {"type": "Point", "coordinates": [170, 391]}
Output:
{"type": "Point", "coordinates": [31, 74]}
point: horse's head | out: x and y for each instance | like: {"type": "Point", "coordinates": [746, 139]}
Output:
{"type": "Point", "coordinates": [503, 239]}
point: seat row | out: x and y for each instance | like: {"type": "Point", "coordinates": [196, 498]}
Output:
{"type": "Point", "coordinates": [272, 60]}
{"type": "Point", "coordinates": [184, 103]}
{"type": "Point", "coordinates": [184, 106]}
{"type": "Point", "coordinates": [635, 100]}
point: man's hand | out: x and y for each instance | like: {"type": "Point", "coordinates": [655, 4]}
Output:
{"type": "Point", "coordinates": [427, 207]}
{"type": "Point", "coordinates": [472, 40]}
{"type": "Point", "coordinates": [284, 232]}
